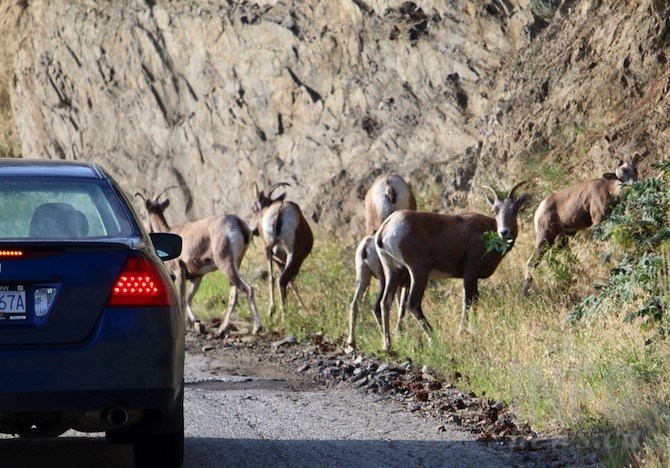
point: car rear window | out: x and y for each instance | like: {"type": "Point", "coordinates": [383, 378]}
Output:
{"type": "Point", "coordinates": [60, 208]}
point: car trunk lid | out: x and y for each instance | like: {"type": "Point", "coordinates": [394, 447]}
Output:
{"type": "Point", "coordinates": [56, 294]}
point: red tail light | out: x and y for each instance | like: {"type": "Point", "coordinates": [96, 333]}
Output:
{"type": "Point", "coordinates": [140, 284]}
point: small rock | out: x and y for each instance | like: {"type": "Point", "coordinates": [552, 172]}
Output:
{"type": "Point", "coordinates": [304, 367]}
{"type": "Point", "coordinates": [289, 340]}
{"type": "Point", "coordinates": [207, 347]}
{"type": "Point", "coordinates": [382, 368]}
{"type": "Point", "coordinates": [330, 371]}
{"type": "Point", "coordinates": [362, 383]}
{"type": "Point", "coordinates": [356, 377]}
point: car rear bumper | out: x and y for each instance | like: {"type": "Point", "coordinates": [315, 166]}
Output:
{"type": "Point", "coordinates": [134, 359]}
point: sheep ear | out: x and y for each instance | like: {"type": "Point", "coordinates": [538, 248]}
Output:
{"type": "Point", "coordinates": [280, 197]}
{"type": "Point", "coordinates": [165, 204]}
{"type": "Point", "coordinates": [521, 202]}
{"type": "Point", "coordinates": [635, 159]}
{"type": "Point", "coordinates": [610, 176]}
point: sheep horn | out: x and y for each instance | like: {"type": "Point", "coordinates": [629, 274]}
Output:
{"type": "Point", "coordinates": [164, 190]}
{"type": "Point", "coordinates": [493, 191]}
{"type": "Point", "coordinates": [511, 192]}
{"type": "Point", "coordinates": [273, 187]}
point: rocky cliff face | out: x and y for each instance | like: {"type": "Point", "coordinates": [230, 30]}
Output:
{"type": "Point", "coordinates": [213, 96]}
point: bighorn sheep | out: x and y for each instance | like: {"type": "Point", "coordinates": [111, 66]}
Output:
{"type": "Point", "coordinates": [388, 193]}
{"type": "Point", "coordinates": [442, 245]}
{"type": "Point", "coordinates": [287, 239]}
{"type": "Point", "coordinates": [576, 208]}
{"type": "Point", "coordinates": [216, 242]}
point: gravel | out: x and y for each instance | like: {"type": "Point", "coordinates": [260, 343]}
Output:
{"type": "Point", "coordinates": [319, 362]}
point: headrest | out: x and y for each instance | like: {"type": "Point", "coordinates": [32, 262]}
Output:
{"type": "Point", "coordinates": [58, 221]}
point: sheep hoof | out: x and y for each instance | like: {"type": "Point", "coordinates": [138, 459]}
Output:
{"type": "Point", "coordinates": [199, 328]}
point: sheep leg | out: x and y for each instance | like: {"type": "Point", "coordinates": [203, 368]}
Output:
{"type": "Point", "coordinates": [541, 248]}
{"type": "Point", "coordinates": [390, 287]}
{"type": "Point", "coordinates": [377, 309]}
{"type": "Point", "coordinates": [470, 295]}
{"type": "Point", "coordinates": [531, 265]}
{"type": "Point", "coordinates": [283, 284]}
{"type": "Point", "coordinates": [197, 324]}
{"type": "Point", "coordinates": [231, 269]}
{"type": "Point", "coordinates": [402, 307]}
{"type": "Point", "coordinates": [180, 280]}
{"type": "Point", "coordinates": [362, 282]}
{"type": "Point", "coordinates": [232, 301]}
{"type": "Point", "coordinates": [294, 290]}
{"type": "Point", "coordinates": [271, 281]}
{"type": "Point", "coordinates": [417, 288]}
{"type": "Point", "coordinates": [402, 298]}
{"type": "Point", "coordinates": [288, 274]}
{"type": "Point", "coordinates": [249, 292]}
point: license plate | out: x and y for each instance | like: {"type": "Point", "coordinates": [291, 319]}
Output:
{"type": "Point", "coordinates": [12, 302]}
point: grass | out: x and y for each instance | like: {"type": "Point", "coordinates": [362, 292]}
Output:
{"type": "Point", "coordinates": [596, 380]}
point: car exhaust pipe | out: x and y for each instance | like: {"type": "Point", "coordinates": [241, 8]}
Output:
{"type": "Point", "coordinates": [115, 416]}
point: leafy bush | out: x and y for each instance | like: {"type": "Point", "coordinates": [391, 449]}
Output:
{"type": "Point", "coordinates": [640, 283]}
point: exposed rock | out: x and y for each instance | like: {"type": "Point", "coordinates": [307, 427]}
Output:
{"type": "Point", "coordinates": [213, 96]}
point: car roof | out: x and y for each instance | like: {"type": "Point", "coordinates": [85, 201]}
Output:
{"type": "Point", "coordinates": [50, 167]}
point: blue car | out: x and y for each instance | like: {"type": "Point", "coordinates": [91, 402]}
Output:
{"type": "Point", "coordinates": [91, 327]}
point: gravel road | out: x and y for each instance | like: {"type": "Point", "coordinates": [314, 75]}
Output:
{"type": "Point", "coordinates": [250, 421]}
{"type": "Point", "coordinates": [247, 405]}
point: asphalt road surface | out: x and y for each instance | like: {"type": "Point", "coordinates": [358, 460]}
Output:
{"type": "Point", "coordinates": [241, 413]}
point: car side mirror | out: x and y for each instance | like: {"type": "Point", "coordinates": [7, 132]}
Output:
{"type": "Point", "coordinates": [167, 245]}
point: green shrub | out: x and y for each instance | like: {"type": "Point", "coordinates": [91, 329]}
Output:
{"type": "Point", "coordinates": [639, 285]}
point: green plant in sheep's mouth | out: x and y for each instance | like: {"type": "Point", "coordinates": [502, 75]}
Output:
{"type": "Point", "coordinates": [494, 243]}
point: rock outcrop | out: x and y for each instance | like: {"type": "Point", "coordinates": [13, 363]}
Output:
{"type": "Point", "coordinates": [213, 96]}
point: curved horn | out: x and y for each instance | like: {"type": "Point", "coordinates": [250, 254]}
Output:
{"type": "Point", "coordinates": [138, 194]}
{"type": "Point", "coordinates": [255, 186]}
{"type": "Point", "coordinates": [274, 187]}
{"type": "Point", "coordinates": [493, 191]}
{"type": "Point", "coordinates": [164, 190]}
{"type": "Point", "coordinates": [511, 192]}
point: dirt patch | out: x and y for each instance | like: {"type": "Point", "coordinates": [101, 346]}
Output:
{"type": "Point", "coordinates": [300, 366]}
